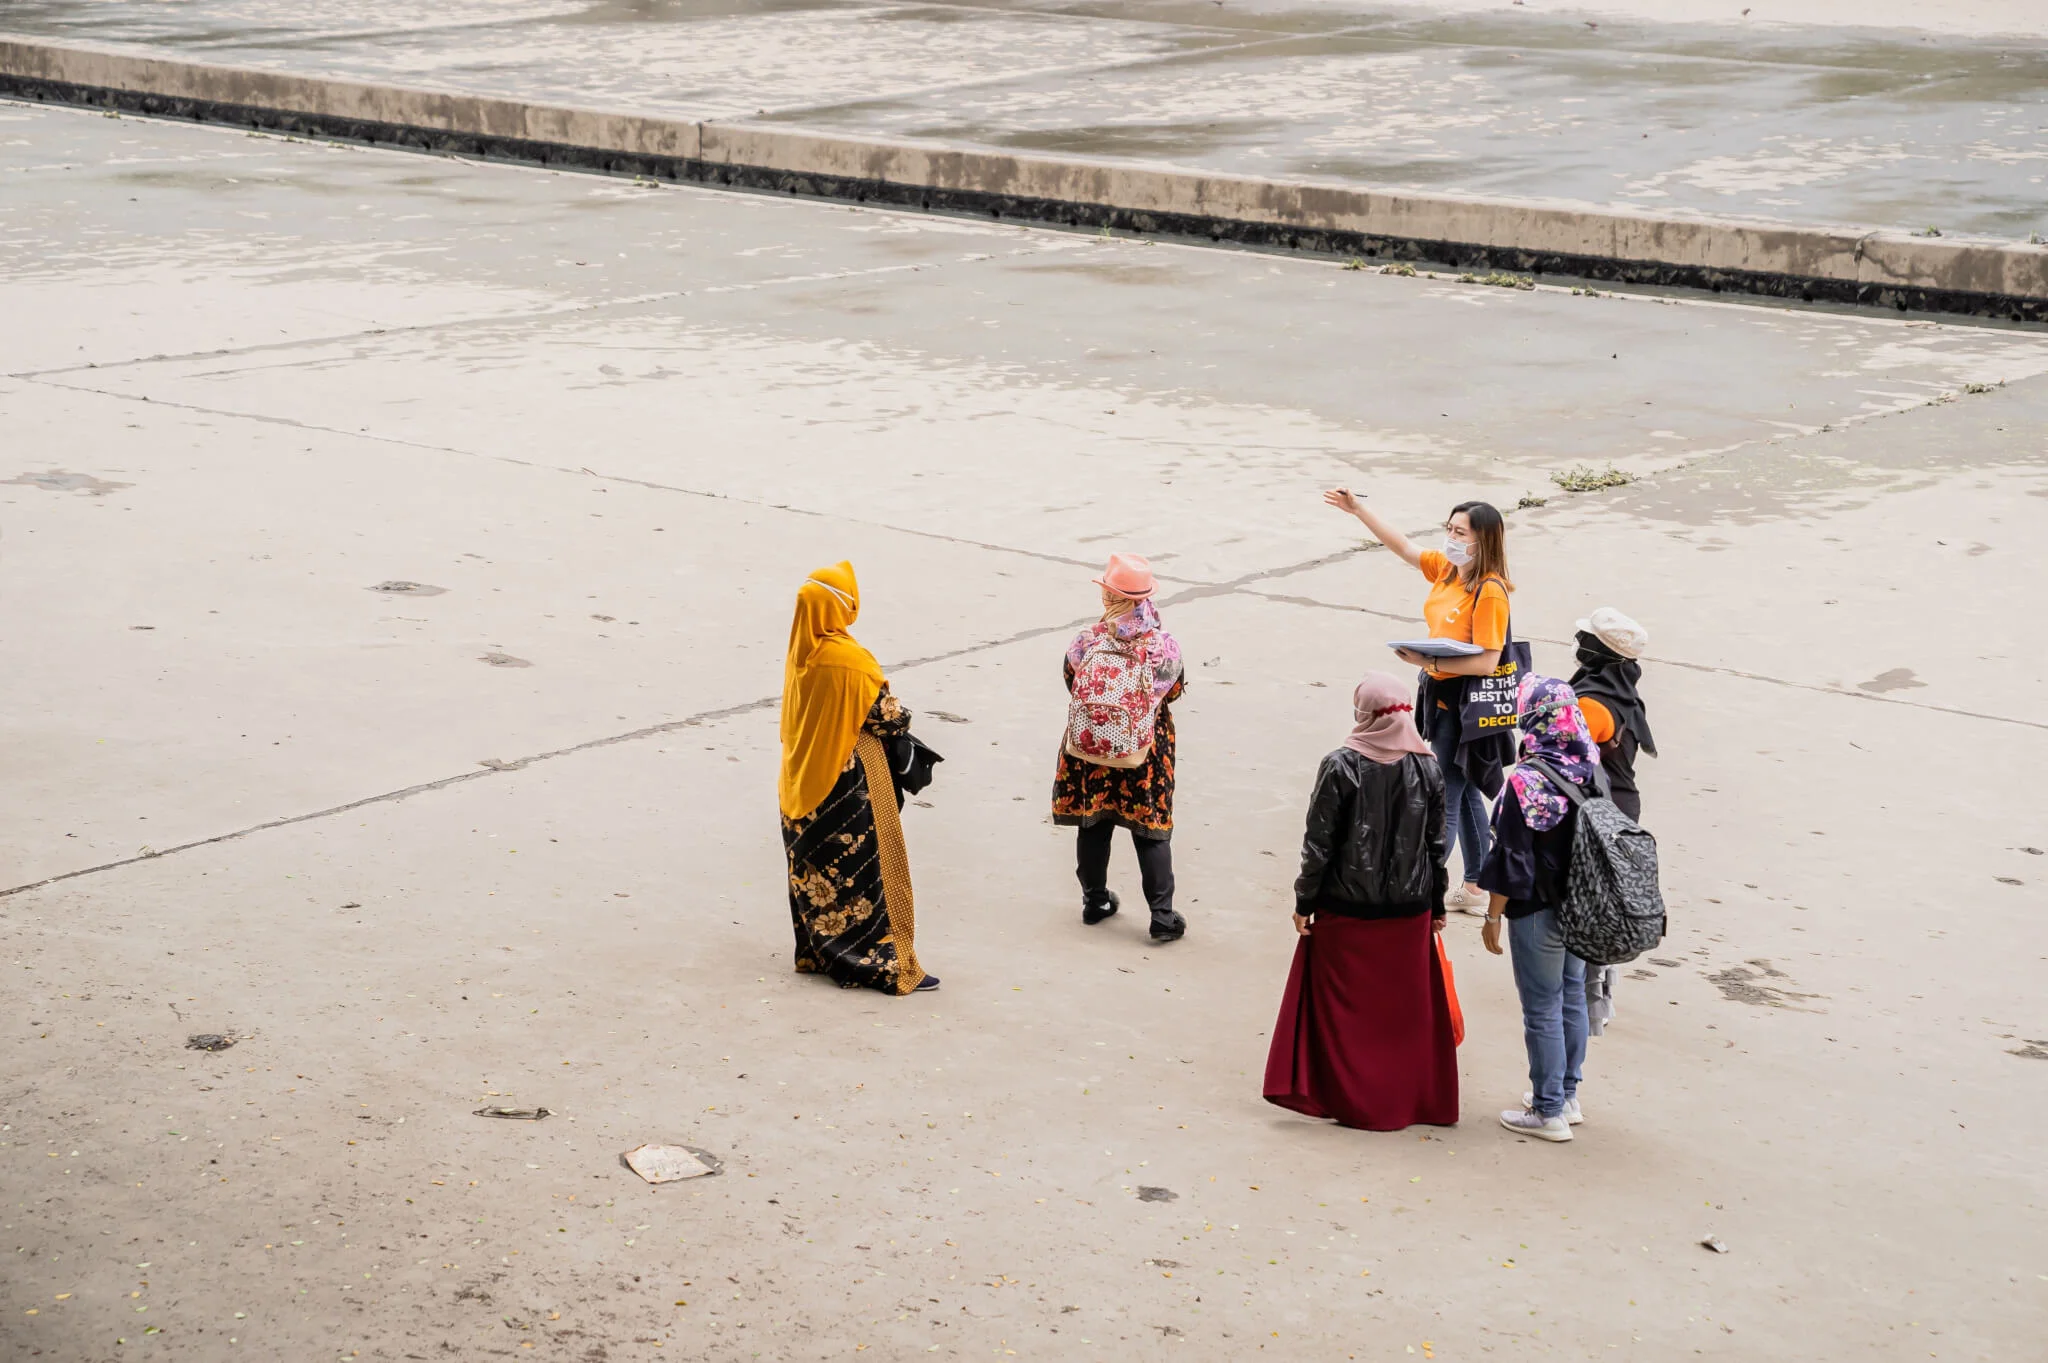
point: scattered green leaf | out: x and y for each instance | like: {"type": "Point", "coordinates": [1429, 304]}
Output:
{"type": "Point", "coordinates": [1499, 280]}
{"type": "Point", "coordinates": [1586, 478]}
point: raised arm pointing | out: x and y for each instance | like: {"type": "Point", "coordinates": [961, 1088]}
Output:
{"type": "Point", "coordinates": [1344, 500]}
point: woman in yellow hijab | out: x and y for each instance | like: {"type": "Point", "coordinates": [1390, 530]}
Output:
{"type": "Point", "coordinates": [849, 875]}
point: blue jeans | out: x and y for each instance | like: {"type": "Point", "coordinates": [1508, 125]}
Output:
{"type": "Point", "coordinates": [1552, 983]}
{"type": "Point", "coordinates": [1465, 825]}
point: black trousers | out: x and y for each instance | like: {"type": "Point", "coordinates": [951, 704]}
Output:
{"type": "Point", "coordinates": [1155, 867]}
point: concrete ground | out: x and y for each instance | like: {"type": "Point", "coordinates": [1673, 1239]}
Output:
{"type": "Point", "coordinates": [607, 428]}
{"type": "Point", "coordinates": [1878, 113]}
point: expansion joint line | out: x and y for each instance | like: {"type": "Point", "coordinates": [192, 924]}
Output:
{"type": "Point", "coordinates": [1246, 585]}
{"type": "Point", "coordinates": [571, 469]}
{"type": "Point", "coordinates": [495, 767]}
{"type": "Point", "coordinates": [1768, 680]}
{"type": "Point", "coordinates": [585, 307]}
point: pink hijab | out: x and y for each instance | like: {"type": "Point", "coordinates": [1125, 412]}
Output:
{"type": "Point", "coordinates": [1383, 711]}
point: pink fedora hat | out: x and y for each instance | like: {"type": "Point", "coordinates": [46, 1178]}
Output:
{"type": "Point", "coordinates": [1127, 575]}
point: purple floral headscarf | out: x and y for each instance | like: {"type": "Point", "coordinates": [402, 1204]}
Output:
{"type": "Point", "coordinates": [1139, 625]}
{"type": "Point", "coordinates": [1554, 730]}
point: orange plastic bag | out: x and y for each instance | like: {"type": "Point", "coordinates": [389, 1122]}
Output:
{"type": "Point", "coordinates": [1451, 992]}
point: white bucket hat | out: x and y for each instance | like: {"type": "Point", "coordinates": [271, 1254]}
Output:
{"type": "Point", "coordinates": [1617, 631]}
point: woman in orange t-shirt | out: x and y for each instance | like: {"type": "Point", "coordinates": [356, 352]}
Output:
{"type": "Point", "coordinates": [1468, 602]}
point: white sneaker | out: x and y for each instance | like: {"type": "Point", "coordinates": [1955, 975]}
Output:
{"type": "Point", "coordinates": [1466, 901]}
{"type": "Point", "coordinates": [1523, 1122]}
{"type": "Point", "coordinates": [1572, 1114]}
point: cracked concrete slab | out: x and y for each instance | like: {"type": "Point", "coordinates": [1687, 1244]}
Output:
{"type": "Point", "coordinates": [351, 369]}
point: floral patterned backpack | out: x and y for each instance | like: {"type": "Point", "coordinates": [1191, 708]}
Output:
{"type": "Point", "coordinates": [1114, 702]}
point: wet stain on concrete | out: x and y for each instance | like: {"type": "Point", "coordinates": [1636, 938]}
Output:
{"type": "Point", "coordinates": [496, 659]}
{"type": "Point", "coordinates": [1747, 983]}
{"type": "Point", "coordinates": [57, 480]}
{"type": "Point", "coordinates": [1898, 679]}
{"type": "Point", "coordinates": [399, 587]}
{"type": "Point", "coordinates": [2033, 1050]}
{"type": "Point", "coordinates": [1114, 273]}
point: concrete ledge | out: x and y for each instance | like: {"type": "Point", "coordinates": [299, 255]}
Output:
{"type": "Point", "coordinates": [1980, 277]}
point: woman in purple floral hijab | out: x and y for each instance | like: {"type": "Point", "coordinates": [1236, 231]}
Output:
{"type": "Point", "coordinates": [1525, 876]}
{"type": "Point", "coordinates": [1554, 730]}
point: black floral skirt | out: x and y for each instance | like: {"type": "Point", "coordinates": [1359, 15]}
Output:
{"type": "Point", "coordinates": [1138, 798]}
{"type": "Point", "coordinates": [849, 881]}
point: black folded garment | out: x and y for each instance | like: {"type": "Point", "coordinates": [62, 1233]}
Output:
{"type": "Point", "coordinates": [911, 762]}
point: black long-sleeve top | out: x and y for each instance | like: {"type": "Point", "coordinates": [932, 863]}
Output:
{"type": "Point", "coordinates": [1529, 867]}
{"type": "Point", "coordinates": [1374, 844]}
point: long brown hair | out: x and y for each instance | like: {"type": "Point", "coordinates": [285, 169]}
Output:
{"type": "Point", "coordinates": [1489, 545]}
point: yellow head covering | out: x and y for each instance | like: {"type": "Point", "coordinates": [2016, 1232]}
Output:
{"type": "Point", "coordinates": [828, 686]}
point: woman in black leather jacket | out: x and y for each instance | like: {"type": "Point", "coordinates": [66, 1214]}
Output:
{"type": "Point", "coordinates": [1365, 1033]}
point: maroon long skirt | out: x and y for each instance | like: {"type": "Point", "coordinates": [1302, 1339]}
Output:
{"type": "Point", "coordinates": [1365, 1027]}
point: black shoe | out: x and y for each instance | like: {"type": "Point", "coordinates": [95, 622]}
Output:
{"type": "Point", "coordinates": [1168, 927]}
{"type": "Point", "coordinates": [926, 985]}
{"type": "Point", "coordinates": [1094, 911]}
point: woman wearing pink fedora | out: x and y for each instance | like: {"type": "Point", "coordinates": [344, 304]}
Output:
{"type": "Point", "coordinates": [1116, 763]}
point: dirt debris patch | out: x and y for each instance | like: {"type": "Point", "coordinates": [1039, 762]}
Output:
{"type": "Point", "coordinates": [57, 480]}
{"type": "Point", "coordinates": [1749, 983]}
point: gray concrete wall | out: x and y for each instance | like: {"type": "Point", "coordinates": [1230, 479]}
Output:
{"type": "Point", "coordinates": [1982, 277]}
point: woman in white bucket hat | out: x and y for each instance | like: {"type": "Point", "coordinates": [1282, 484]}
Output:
{"type": "Point", "coordinates": [1609, 646]}
{"type": "Point", "coordinates": [1616, 719]}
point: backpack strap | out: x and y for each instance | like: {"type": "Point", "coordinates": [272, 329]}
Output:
{"type": "Point", "coordinates": [1569, 789]}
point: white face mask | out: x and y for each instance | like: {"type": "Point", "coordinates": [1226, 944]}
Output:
{"type": "Point", "coordinates": [1457, 551]}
